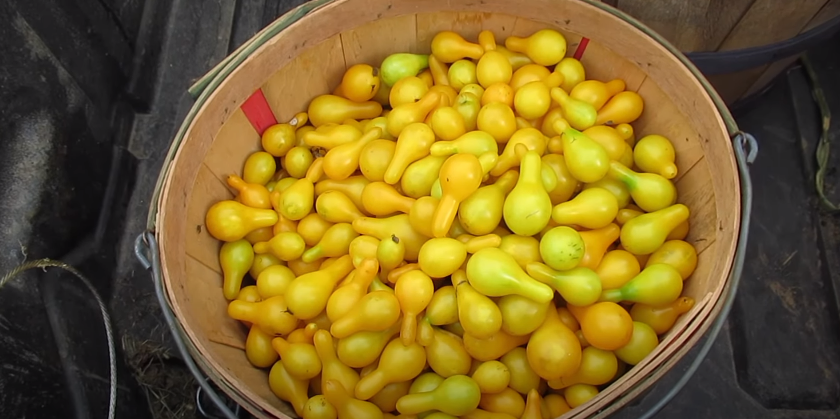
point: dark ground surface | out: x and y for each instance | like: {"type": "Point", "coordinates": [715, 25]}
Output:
{"type": "Point", "coordinates": [74, 100]}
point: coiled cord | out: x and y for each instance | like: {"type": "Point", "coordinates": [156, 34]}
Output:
{"type": "Point", "coordinates": [106, 318]}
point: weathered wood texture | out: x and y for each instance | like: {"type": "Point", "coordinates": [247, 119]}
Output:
{"type": "Point", "coordinates": [723, 25]}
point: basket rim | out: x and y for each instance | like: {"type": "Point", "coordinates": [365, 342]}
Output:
{"type": "Point", "coordinates": [204, 86]}
{"type": "Point", "coordinates": [204, 89]}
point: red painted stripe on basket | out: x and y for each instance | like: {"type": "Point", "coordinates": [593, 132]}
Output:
{"type": "Point", "coordinates": [257, 111]}
{"type": "Point", "coordinates": [581, 48]}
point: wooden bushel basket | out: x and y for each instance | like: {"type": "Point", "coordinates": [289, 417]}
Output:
{"type": "Point", "coordinates": [304, 54]}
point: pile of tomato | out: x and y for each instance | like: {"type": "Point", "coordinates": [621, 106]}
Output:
{"type": "Point", "coordinates": [474, 233]}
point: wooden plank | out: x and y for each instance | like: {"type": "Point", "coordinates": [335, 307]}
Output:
{"type": "Point", "coordinates": [203, 292]}
{"type": "Point", "coordinates": [768, 74]}
{"type": "Point", "coordinates": [252, 381]}
{"type": "Point", "coordinates": [663, 118]}
{"type": "Point", "coordinates": [316, 71]}
{"type": "Point", "coordinates": [674, 345]}
{"type": "Point", "coordinates": [732, 86]}
{"type": "Point", "coordinates": [697, 25]}
{"type": "Point", "coordinates": [829, 11]}
{"type": "Point", "coordinates": [526, 27]}
{"type": "Point", "coordinates": [500, 25]}
{"type": "Point", "coordinates": [673, 339]}
{"type": "Point", "coordinates": [206, 191]}
{"type": "Point", "coordinates": [603, 64]}
{"type": "Point", "coordinates": [394, 33]}
{"type": "Point", "coordinates": [234, 142]}
{"type": "Point", "coordinates": [769, 21]}
{"type": "Point", "coordinates": [467, 24]}
{"type": "Point", "coordinates": [695, 192]}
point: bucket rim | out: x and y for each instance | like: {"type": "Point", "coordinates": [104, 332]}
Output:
{"type": "Point", "coordinates": [202, 89]}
